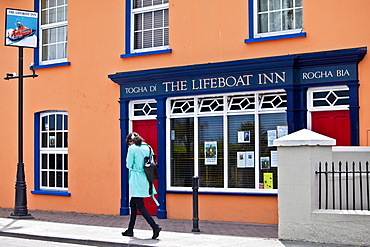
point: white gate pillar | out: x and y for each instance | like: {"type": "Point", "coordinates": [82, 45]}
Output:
{"type": "Point", "coordinates": [298, 156]}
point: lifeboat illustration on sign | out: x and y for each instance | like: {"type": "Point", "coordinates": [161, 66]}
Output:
{"type": "Point", "coordinates": [20, 32]}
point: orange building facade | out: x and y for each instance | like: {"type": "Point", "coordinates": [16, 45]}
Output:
{"type": "Point", "coordinates": [208, 84]}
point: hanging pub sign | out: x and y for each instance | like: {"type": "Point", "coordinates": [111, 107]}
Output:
{"type": "Point", "coordinates": [21, 28]}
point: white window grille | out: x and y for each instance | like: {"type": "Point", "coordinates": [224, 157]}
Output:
{"type": "Point", "coordinates": [241, 103]}
{"type": "Point", "coordinates": [145, 109]}
{"type": "Point", "coordinates": [272, 101]}
{"type": "Point", "coordinates": [211, 105]}
{"type": "Point", "coordinates": [328, 98]}
{"type": "Point", "coordinates": [182, 106]}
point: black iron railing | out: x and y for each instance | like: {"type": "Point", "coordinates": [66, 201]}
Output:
{"type": "Point", "coordinates": [344, 187]}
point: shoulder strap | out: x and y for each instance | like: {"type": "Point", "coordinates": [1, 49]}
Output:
{"type": "Point", "coordinates": [150, 150]}
{"type": "Point", "coordinates": [151, 185]}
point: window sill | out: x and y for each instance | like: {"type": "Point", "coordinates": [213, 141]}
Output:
{"type": "Point", "coordinates": [272, 193]}
{"type": "Point", "coordinates": [146, 53]}
{"type": "Point", "coordinates": [52, 65]}
{"type": "Point", "coordinates": [50, 193]}
{"type": "Point", "coordinates": [286, 36]}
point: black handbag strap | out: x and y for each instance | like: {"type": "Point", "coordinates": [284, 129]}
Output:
{"type": "Point", "coordinates": [150, 183]}
{"type": "Point", "coordinates": [150, 188]}
{"type": "Point", "coordinates": [150, 150]}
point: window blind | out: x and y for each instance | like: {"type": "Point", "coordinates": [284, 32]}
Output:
{"type": "Point", "coordinates": [241, 151]}
{"type": "Point", "coordinates": [211, 156]}
{"type": "Point", "coordinates": [268, 128]}
{"type": "Point", "coordinates": [182, 152]}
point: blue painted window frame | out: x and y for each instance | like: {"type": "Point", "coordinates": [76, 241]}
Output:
{"type": "Point", "coordinates": [37, 190]}
{"type": "Point", "coordinates": [251, 21]}
{"type": "Point", "coordinates": [36, 52]}
{"type": "Point", "coordinates": [128, 52]}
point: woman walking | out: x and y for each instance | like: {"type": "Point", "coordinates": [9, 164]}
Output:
{"type": "Point", "coordinates": [138, 183]}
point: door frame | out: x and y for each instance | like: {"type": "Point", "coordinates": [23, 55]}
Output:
{"type": "Point", "coordinates": [311, 108]}
{"type": "Point", "coordinates": [145, 117]}
{"type": "Point", "coordinates": [132, 116]}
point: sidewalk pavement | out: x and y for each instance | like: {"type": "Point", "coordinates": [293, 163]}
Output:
{"type": "Point", "coordinates": [105, 230]}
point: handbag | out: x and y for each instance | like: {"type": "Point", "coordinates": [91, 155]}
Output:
{"type": "Point", "coordinates": [151, 166]}
{"type": "Point", "coordinates": [151, 172]}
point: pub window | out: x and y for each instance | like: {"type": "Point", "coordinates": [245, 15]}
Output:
{"type": "Point", "coordinates": [227, 141]}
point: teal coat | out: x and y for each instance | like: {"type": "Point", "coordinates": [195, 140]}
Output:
{"type": "Point", "coordinates": [138, 182]}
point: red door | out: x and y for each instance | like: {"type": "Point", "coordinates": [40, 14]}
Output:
{"type": "Point", "coordinates": [148, 130]}
{"type": "Point", "coordinates": [335, 124]}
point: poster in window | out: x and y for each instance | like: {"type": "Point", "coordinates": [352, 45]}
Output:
{"type": "Point", "coordinates": [250, 159]}
{"type": "Point", "coordinates": [172, 135]}
{"type": "Point", "coordinates": [274, 159]}
{"type": "Point", "coordinates": [242, 159]}
{"type": "Point", "coordinates": [21, 28]}
{"type": "Point", "coordinates": [267, 181]}
{"type": "Point", "coordinates": [51, 141]}
{"type": "Point", "coordinates": [210, 149]}
{"type": "Point", "coordinates": [282, 131]}
{"type": "Point", "coordinates": [245, 159]}
{"type": "Point", "coordinates": [265, 163]}
{"type": "Point", "coordinates": [244, 136]}
{"type": "Point", "coordinates": [271, 136]}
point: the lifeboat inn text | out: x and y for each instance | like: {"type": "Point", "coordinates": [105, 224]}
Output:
{"type": "Point", "coordinates": [260, 79]}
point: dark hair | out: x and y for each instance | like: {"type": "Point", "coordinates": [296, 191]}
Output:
{"type": "Point", "coordinates": [134, 137]}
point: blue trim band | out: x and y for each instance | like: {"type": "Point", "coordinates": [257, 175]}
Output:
{"type": "Point", "coordinates": [251, 18]}
{"type": "Point", "coordinates": [52, 65]}
{"type": "Point", "coordinates": [124, 127]}
{"type": "Point", "coordinates": [128, 28]}
{"type": "Point", "coordinates": [225, 193]}
{"type": "Point", "coordinates": [37, 151]}
{"type": "Point", "coordinates": [146, 53]}
{"type": "Point", "coordinates": [286, 36]}
{"type": "Point", "coordinates": [36, 55]}
{"type": "Point", "coordinates": [50, 193]}
{"type": "Point", "coordinates": [354, 114]}
{"type": "Point", "coordinates": [161, 128]}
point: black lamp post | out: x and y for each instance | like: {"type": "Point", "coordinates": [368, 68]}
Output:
{"type": "Point", "coordinates": [20, 209]}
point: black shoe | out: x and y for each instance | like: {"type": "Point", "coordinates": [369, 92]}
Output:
{"type": "Point", "coordinates": [156, 231]}
{"type": "Point", "coordinates": [128, 233]}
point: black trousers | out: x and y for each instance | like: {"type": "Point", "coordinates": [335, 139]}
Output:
{"type": "Point", "coordinates": [137, 203]}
